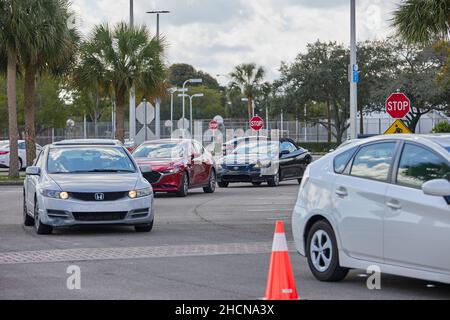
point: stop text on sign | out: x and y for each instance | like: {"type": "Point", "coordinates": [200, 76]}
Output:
{"type": "Point", "coordinates": [256, 123]}
{"type": "Point", "coordinates": [398, 105]}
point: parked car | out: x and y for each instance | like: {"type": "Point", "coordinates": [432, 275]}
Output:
{"type": "Point", "coordinates": [262, 161]}
{"type": "Point", "coordinates": [383, 201]}
{"type": "Point", "coordinates": [4, 154]}
{"type": "Point", "coordinates": [86, 182]}
{"type": "Point", "coordinates": [232, 144]}
{"type": "Point", "coordinates": [177, 166]}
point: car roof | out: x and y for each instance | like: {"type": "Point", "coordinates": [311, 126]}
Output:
{"type": "Point", "coordinates": [90, 142]}
{"type": "Point", "coordinates": [168, 141]}
{"type": "Point", "coordinates": [442, 140]}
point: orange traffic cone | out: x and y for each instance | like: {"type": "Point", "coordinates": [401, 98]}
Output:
{"type": "Point", "coordinates": [281, 282]}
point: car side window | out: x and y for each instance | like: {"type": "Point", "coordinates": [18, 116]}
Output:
{"type": "Point", "coordinates": [342, 160]}
{"type": "Point", "coordinates": [22, 146]}
{"type": "Point", "coordinates": [374, 161]}
{"type": "Point", "coordinates": [287, 146]}
{"type": "Point", "coordinates": [419, 165]}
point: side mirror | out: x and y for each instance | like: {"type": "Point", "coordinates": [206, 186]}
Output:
{"type": "Point", "coordinates": [33, 171]}
{"type": "Point", "coordinates": [438, 188]}
{"type": "Point", "coordinates": [146, 169]}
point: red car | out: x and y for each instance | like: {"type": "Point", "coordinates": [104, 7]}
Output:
{"type": "Point", "coordinates": [177, 166]}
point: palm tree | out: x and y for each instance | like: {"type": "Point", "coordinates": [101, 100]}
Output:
{"type": "Point", "coordinates": [248, 78]}
{"type": "Point", "coordinates": [13, 32]}
{"type": "Point", "coordinates": [423, 21]}
{"type": "Point", "coordinates": [122, 57]}
{"type": "Point", "coordinates": [51, 49]}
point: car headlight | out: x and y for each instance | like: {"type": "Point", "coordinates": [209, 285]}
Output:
{"type": "Point", "coordinates": [55, 194]}
{"type": "Point", "coordinates": [172, 171]}
{"type": "Point", "coordinates": [263, 164]}
{"type": "Point", "coordinates": [134, 194]}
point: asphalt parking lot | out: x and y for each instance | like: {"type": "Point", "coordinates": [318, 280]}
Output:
{"type": "Point", "coordinates": [202, 247]}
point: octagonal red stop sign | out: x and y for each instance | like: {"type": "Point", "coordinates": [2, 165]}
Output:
{"type": "Point", "coordinates": [256, 123]}
{"type": "Point", "coordinates": [213, 125]}
{"type": "Point", "coordinates": [398, 105]}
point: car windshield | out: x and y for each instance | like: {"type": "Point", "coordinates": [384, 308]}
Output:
{"type": "Point", "coordinates": [89, 159]}
{"type": "Point", "coordinates": [264, 147]}
{"type": "Point", "coordinates": [160, 151]}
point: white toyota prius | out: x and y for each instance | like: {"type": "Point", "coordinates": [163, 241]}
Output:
{"type": "Point", "coordinates": [383, 201]}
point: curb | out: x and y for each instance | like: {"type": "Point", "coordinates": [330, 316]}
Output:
{"type": "Point", "coordinates": [11, 183]}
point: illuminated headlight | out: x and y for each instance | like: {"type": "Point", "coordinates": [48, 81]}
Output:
{"type": "Point", "coordinates": [262, 164]}
{"type": "Point", "coordinates": [55, 194]}
{"type": "Point", "coordinates": [172, 171]}
{"type": "Point", "coordinates": [134, 194]}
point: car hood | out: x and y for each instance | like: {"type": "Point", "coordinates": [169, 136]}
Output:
{"type": "Point", "coordinates": [160, 164]}
{"type": "Point", "coordinates": [96, 182]}
{"type": "Point", "coordinates": [244, 159]}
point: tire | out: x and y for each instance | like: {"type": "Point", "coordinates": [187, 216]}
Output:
{"type": "Point", "coordinates": [40, 228]}
{"type": "Point", "coordinates": [274, 181]}
{"type": "Point", "coordinates": [211, 188]}
{"type": "Point", "coordinates": [256, 184]}
{"type": "Point", "coordinates": [27, 220]}
{"type": "Point", "coordinates": [20, 164]}
{"type": "Point", "coordinates": [184, 188]}
{"type": "Point", "coordinates": [322, 236]}
{"type": "Point", "coordinates": [223, 184]}
{"type": "Point", "coordinates": [144, 228]}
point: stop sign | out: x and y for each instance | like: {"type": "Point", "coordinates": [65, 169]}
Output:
{"type": "Point", "coordinates": [213, 125]}
{"type": "Point", "coordinates": [398, 105]}
{"type": "Point", "coordinates": [256, 123]}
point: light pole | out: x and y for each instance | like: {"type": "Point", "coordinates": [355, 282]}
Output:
{"type": "Point", "coordinates": [158, 100]}
{"type": "Point", "coordinates": [197, 95]}
{"type": "Point", "coordinates": [353, 76]}
{"type": "Point", "coordinates": [172, 92]}
{"type": "Point", "coordinates": [184, 94]}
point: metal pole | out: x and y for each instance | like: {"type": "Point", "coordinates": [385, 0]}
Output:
{"type": "Point", "coordinates": [132, 91]}
{"type": "Point", "coordinates": [171, 113]}
{"type": "Point", "coordinates": [158, 100]}
{"type": "Point", "coordinates": [190, 116]}
{"type": "Point", "coordinates": [184, 96]}
{"type": "Point", "coordinates": [306, 124]}
{"type": "Point", "coordinates": [145, 122]}
{"type": "Point", "coordinates": [84, 127]}
{"type": "Point", "coordinates": [353, 64]}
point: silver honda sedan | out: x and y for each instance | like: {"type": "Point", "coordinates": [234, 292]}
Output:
{"type": "Point", "coordinates": [86, 182]}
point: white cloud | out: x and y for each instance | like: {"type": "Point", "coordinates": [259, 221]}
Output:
{"type": "Point", "coordinates": [215, 35]}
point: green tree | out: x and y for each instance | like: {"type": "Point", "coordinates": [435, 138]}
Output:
{"type": "Point", "coordinates": [178, 73]}
{"type": "Point", "coordinates": [248, 78]}
{"type": "Point", "coordinates": [123, 56]}
{"type": "Point", "coordinates": [51, 49]}
{"type": "Point", "coordinates": [442, 127]}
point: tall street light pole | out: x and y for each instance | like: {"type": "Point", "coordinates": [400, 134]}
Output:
{"type": "Point", "coordinates": [198, 95]}
{"type": "Point", "coordinates": [353, 73]}
{"type": "Point", "coordinates": [172, 92]}
{"type": "Point", "coordinates": [184, 95]}
{"type": "Point", "coordinates": [132, 112]}
{"type": "Point", "coordinates": [158, 100]}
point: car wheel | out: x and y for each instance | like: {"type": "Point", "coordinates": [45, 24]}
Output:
{"type": "Point", "coordinates": [27, 220]}
{"type": "Point", "coordinates": [223, 184]}
{"type": "Point", "coordinates": [144, 228]}
{"type": "Point", "coordinates": [184, 188]}
{"type": "Point", "coordinates": [274, 181]}
{"type": "Point", "coordinates": [38, 225]}
{"type": "Point", "coordinates": [323, 254]}
{"type": "Point", "coordinates": [257, 184]}
{"type": "Point", "coordinates": [211, 188]}
{"type": "Point", "coordinates": [20, 164]}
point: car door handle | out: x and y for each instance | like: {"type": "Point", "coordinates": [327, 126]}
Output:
{"type": "Point", "coordinates": [394, 205]}
{"type": "Point", "coordinates": [341, 192]}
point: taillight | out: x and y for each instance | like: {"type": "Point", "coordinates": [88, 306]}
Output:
{"type": "Point", "coordinates": [4, 153]}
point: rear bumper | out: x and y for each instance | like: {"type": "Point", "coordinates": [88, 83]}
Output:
{"type": "Point", "coordinates": [69, 213]}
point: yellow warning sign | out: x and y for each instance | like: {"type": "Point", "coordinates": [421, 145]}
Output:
{"type": "Point", "coordinates": [398, 127]}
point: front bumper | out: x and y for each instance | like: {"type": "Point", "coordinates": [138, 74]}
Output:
{"type": "Point", "coordinates": [244, 174]}
{"type": "Point", "coordinates": [68, 213]}
{"type": "Point", "coordinates": [166, 182]}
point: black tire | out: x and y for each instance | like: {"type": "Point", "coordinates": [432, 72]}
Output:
{"type": "Point", "coordinates": [40, 228]}
{"type": "Point", "coordinates": [223, 184]}
{"type": "Point", "coordinates": [274, 181]}
{"type": "Point", "coordinates": [144, 228]}
{"type": "Point", "coordinates": [27, 220]}
{"type": "Point", "coordinates": [211, 188]}
{"type": "Point", "coordinates": [256, 184]}
{"type": "Point", "coordinates": [334, 272]}
{"type": "Point", "coordinates": [184, 188]}
{"type": "Point", "coordinates": [20, 164]}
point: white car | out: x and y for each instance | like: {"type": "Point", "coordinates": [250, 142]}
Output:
{"type": "Point", "coordinates": [384, 201]}
{"type": "Point", "coordinates": [4, 154]}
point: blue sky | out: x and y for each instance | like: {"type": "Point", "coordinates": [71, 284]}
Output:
{"type": "Point", "coordinates": [215, 35]}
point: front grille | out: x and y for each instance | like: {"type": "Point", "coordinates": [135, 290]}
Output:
{"type": "Point", "coordinates": [237, 178]}
{"type": "Point", "coordinates": [99, 216]}
{"type": "Point", "coordinates": [90, 196]}
{"type": "Point", "coordinates": [152, 177]}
